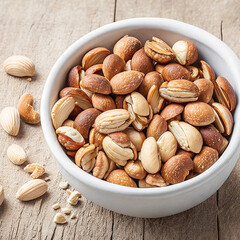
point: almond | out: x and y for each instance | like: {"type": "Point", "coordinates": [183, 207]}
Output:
{"type": "Point", "coordinates": [141, 62]}
{"type": "Point", "coordinates": [16, 154]}
{"type": "Point", "coordinates": [126, 47]}
{"type": "Point", "coordinates": [135, 169]}
{"type": "Point", "coordinates": [31, 190]}
{"type": "Point", "coordinates": [150, 79]}
{"type": "Point", "coordinates": [171, 111]}
{"type": "Point", "coordinates": [94, 56]}
{"type": "Point", "coordinates": [19, 66]}
{"type": "Point", "coordinates": [74, 77]}
{"type": "Point", "coordinates": [126, 82]}
{"type": "Point", "coordinates": [157, 127]}
{"type": "Point", "coordinates": [112, 65]}
{"type": "Point", "coordinates": [10, 120]}
{"type": "Point", "coordinates": [95, 69]}
{"type": "Point", "coordinates": [96, 83]}
{"type": "Point", "coordinates": [103, 102]}
{"type": "Point", "coordinates": [207, 71]}
{"type": "Point", "coordinates": [174, 71]}
{"type": "Point", "coordinates": [85, 120]}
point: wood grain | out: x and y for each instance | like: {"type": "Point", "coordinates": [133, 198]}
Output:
{"type": "Point", "coordinates": [42, 30]}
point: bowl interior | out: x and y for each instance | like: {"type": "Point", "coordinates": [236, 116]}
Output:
{"type": "Point", "coordinates": [211, 49]}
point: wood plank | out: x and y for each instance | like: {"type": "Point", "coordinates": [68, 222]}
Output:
{"type": "Point", "coordinates": [42, 30]}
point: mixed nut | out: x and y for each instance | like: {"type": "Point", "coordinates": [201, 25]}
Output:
{"type": "Point", "coordinates": [144, 116]}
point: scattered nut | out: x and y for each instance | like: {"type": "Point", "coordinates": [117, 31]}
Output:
{"type": "Point", "coordinates": [74, 198]}
{"type": "Point", "coordinates": [16, 154]}
{"type": "Point", "coordinates": [31, 190]}
{"type": "Point", "coordinates": [56, 206]}
{"type": "Point", "coordinates": [66, 210]}
{"type": "Point", "coordinates": [63, 185]}
{"type": "Point", "coordinates": [73, 216]}
{"type": "Point", "coordinates": [36, 169]}
{"type": "Point", "coordinates": [19, 66]}
{"type": "Point", "coordinates": [10, 120]}
{"type": "Point", "coordinates": [59, 218]}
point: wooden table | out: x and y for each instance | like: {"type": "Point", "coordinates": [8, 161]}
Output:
{"type": "Point", "coordinates": [42, 30]}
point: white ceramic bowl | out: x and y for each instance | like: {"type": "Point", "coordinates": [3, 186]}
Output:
{"type": "Point", "coordinates": [154, 202]}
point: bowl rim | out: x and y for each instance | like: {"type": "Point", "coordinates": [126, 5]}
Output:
{"type": "Point", "coordinates": [187, 30]}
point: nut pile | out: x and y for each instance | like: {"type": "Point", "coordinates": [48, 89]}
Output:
{"type": "Point", "coordinates": [144, 116]}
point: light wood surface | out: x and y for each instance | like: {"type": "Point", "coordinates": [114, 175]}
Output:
{"type": "Point", "coordinates": [42, 30]}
